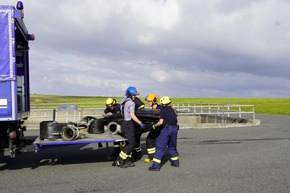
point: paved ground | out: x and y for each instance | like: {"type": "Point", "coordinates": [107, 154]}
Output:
{"type": "Point", "coordinates": [250, 159]}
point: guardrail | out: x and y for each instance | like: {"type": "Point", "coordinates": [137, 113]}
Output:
{"type": "Point", "coordinates": [227, 110]}
{"type": "Point", "coordinates": [211, 109]}
{"type": "Point", "coordinates": [189, 114]}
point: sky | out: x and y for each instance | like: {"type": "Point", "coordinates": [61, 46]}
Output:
{"type": "Point", "coordinates": [178, 48]}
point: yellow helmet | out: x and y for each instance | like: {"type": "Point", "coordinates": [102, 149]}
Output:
{"type": "Point", "coordinates": [110, 102]}
{"type": "Point", "coordinates": [165, 100]}
{"type": "Point", "coordinates": [152, 98]}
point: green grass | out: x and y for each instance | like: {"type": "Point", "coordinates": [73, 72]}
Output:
{"type": "Point", "coordinates": [280, 106]}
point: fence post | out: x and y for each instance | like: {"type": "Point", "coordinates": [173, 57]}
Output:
{"type": "Point", "coordinates": [53, 115]}
{"type": "Point", "coordinates": [253, 110]}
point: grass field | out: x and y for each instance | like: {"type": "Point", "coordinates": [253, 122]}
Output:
{"type": "Point", "coordinates": [280, 106]}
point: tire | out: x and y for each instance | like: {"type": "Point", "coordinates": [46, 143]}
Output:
{"type": "Point", "coordinates": [51, 130]}
{"type": "Point", "coordinates": [97, 126]}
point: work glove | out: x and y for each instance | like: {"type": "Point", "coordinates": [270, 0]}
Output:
{"type": "Point", "coordinates": [109, 114]}
{"type": "Point", "coordinates": [141, 125]}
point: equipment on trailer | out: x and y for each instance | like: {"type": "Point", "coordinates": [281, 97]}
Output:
{"type": "Point", "coordinates": [147, 116]}
{"type": "Point", "coordinates": [14, 78]}
{"type": "Point", "coordinates": [90, 130]}
{"type": "Point", "coordinates": [51, 130]}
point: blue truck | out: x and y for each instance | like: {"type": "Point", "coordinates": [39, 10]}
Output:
{"type": "Point", "coordinates": [14, 77]}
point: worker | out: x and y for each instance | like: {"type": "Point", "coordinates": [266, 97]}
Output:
{"type": "Point", "coordinates": [154, 133]}
{"type": "Point", "coordinates": [112, 107]}
{"type": "Point", "coordinates": [167, 137]}
{"type": "Point", "coordinates": [137, 153]}
{"type": "Point", "coordinates": [128, 128]}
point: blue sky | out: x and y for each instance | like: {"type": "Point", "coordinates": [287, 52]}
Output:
{"type": "Point", "coordinates": [179, 48]}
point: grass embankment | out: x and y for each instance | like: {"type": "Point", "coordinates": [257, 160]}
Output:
{"type": "Point", "coordinates": [280, 106]}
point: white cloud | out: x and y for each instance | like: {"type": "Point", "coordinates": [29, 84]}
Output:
{"type": "Point", "coordinates": [179, 48]}
{"type": "Point", "coordinates": [156, 14]}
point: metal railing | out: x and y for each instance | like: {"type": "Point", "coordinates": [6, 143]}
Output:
{"type": "Point", "coordinates": [183, 109]}
{"type": "Point", "coordinates": [38, 115]}
{"type": "Point", "coordinates": [229, 110]}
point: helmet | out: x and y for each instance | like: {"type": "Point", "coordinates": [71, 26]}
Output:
{"type": "Point", "coordinates": [131, 91]}
{"type": "Point", "coordinates": [165, 100]}
{"type": "Point", "coordinates": [110, 102]}
{"type": "Point", "coordinates": [152, 98]}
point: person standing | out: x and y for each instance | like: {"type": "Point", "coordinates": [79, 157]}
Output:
{"type": "Point", "coordinates": [167, 137]}
{"type": "Point", "coordinates": [112, 107]}
{"type": "Point", "coordinates": [137, 150]}
{"type": "Point", "coordinates": [128, 128]}
{"type": "Point", "coordinates": [154, 133]}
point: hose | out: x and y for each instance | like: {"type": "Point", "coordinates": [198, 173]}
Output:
{"type": "Point", "coordinates": [114, 128]}
{"type": "Point", "coordinates": [71, 132]}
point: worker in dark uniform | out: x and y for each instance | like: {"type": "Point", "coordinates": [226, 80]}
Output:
{"type": "Point", "coordinates": [112, 107]}
{"type": "Point", "coordinates": [167, 137]}
{"type": "Point", "coordinates": [154, 133]}
{"type": "Point", "coordinates": [128, 128]}
{"type": "Point", "coordinates": [137, 150]}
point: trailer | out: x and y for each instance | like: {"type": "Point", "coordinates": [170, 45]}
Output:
{"type": "Point", "coordinates": [106, 138]}
{"type": "Point", "coordinates": [90, 130]}
{"type": "Point", "coordinates": [14, 77]}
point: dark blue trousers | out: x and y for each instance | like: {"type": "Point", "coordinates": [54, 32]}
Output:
{"type": "Point", "coordinates": [167, 138]}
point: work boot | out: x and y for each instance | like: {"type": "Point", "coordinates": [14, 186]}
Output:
{"type": "Point", "coordinates": [137, 155]}
{"type": "Point", "coordinates": [129, 163]}
{"type": "Point", "coordinates": [153, 169]}
{"type": "Point", "coordinates": [114, 163]}
{"type": "Point", "coordinates": [120, 163]}
{"type": "Point", "coordinates": [174, 165]}
{"type": "Point", "coordinates": [148, 160]}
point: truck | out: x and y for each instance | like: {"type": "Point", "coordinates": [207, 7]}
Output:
{"type": "Point", "coordinates": [14, 77]}
{"type": "Point", "coordinates": [15, 98]}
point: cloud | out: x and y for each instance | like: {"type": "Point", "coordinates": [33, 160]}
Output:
{"type": "Point", "coordinates": [179, 48]}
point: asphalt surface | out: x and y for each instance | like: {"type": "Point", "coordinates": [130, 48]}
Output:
{"type": "Point", "coordinates": [220, 160]}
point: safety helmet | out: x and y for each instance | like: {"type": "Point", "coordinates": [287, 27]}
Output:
{"type": "Point", "coordinates": [110, 102]}
{"type": "Point", "coordinates": [165, 100]}
{"type": "Point", "coordinates": [131, 91]}
{"type": "Point", "coordinates": [152, 98]}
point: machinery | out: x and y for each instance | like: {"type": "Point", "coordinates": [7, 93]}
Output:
{"type": "Point", "coordinates": [14, 77]}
